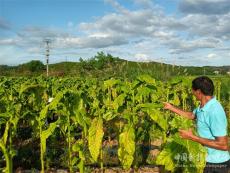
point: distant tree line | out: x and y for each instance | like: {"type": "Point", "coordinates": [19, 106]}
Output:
{"type": "Point", "coordinates": [106, 65]}
{"type": "Point", "coordinates": [98, 62]}
{"type": "Point", "coordinates": [32, 66]}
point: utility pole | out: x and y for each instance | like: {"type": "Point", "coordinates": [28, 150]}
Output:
{"type": "Point", "coordinates": [47, 42]}
{"type": "Point", "coordinates": [65, 67]}
{"type": "Point", "coordinates": [174, 63]}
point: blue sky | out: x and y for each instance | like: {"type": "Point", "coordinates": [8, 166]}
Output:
{"type": "Point", "coordinates": [182, 32]}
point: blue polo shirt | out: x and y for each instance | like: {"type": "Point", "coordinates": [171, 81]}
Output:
{"type": "Point", "coordinates": [211, 122]}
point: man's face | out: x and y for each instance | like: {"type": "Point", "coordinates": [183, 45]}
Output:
{"type": "Point", "coordinates": [197, 94]}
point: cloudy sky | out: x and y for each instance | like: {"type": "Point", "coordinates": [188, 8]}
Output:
{"type": "Point", "coordinates": [182, 32]}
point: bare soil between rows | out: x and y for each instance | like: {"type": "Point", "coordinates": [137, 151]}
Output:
{"type": "Point", "coordinates": [143, 169]}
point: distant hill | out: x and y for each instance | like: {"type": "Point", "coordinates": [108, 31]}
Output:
{"type": "Point", "coordinates": [105, 65]}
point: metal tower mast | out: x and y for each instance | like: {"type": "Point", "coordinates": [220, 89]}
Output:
{"type": "Point", "coordinates": [47, 42]}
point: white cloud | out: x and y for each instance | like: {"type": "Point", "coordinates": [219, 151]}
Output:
{"type": "Point", "coordinates": [208, 26]}
{"type": "Point", "coordinates": [35, 50]}
{"type": "Point", "coordinates": [99, 35]}
{"type": "Point", "coordinates": [212, 55]}
{"type": "Point", "coordinates": [117, 6]}
{"type": "Point", "coordinates": [145, 3]}
{"type": "Point", "coordinates": [184, 46]}
{"type": "Point", "coordinates": [205, 6]}
{"type": "Point", "coordinates": [142, 57]}
{"type": "Point", "coordinates": [8, 41]}
{"type": "Point", "coordinates": [164, 35]}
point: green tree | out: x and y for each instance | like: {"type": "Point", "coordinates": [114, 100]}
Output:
{"type": "Point", "coordinates": [34, 66]}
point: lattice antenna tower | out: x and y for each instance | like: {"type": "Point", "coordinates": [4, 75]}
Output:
{"type": "Point", "coordinates": [47, 54]}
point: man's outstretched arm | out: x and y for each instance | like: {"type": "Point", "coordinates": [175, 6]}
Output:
{"type": "Point", "coordinates": [220, 143]}
{"type": "Point", "coordinates": [179, 111]}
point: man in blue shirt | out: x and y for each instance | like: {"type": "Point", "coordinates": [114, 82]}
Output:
{"type": "Point", "coordinates": [211, 124]}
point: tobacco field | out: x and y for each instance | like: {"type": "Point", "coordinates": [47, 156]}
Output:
{"type": "Point", "coordinates": [83, 123]}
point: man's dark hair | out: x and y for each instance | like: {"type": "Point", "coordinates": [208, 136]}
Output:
{"type": "Point", "coordinates": [205, 84]}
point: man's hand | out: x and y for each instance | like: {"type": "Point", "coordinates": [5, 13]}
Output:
{"type": "Point", "coordinates": [188, 115]}
{"type": "Point", "coordinates": [186, 134]}
{"type": "Point", "coordinates": [167, 105]}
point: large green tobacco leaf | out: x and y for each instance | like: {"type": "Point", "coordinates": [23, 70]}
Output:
{"type": "Point", "coordinates": [36, 90]}
{"type": "Point", "coordinates": [80, 115]}
{"type": "Point", "coordinates": [109, 115]}
{"type": "Point", "coordinates": [118, 101]}
{"type": "Point", "coordinates": [126, 147]}
{"type": "Point", "coordinates": [176, 100]}
{"type": "Point", "coordinates": [152, 109]}
{"type": "Point", "coordinates": [110, 83]}
{"type": "Point", "coordinates": [31, 89]}
{"type": "Point", "coordinates": [147, 79]}
{"type": "Point", "coordinates": [52, 106]}
{"type": "Point", "coordinates": [165, 158]}
{"type": "Point", "coordinates": [56, 100]}
{"type": "Point", "coordinates": [182, 155]}
{"type": "Point", "coordinates": [179, 122]}
{"type": "Point", "coordinates": [143, 92]}
{"type": "Point", "coordinates": [95, 137]}
{"type": "Point", "coordinates": [158, 118]}
{"type": "Point", "coordinates": [175, 81]}
{"type": "Point", "coordinates": [196, 153]}
{"type": "Point", "coordinates": [46, 133]}
{"type": "Point", "coordinates": [168, 156]}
